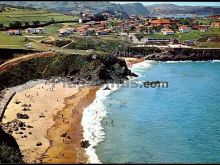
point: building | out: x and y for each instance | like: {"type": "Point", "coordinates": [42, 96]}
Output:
{"type": "Point", "coordinates": [14, 32]}
{"type": "Point", "coordinates": [156, 40]}
{"type": "Point", "coordinates": [40, 30]}
{"type": "Point", "coordinates": [64, 32]}
{"type": "Point", "coordinates": [166, 31]}
{"type": "Point", "coordinates": [161, 22]}
{"type": "Point", "coordinates": [101, 32]}
{"type": "Point", "coordinates": [215, 24]}
{"type": "Point", "coordinates": [184, 29]}
{"type": "Point", "coordinates": [31, 30]}
{"type": "Point", "coordinates": [203, 29]}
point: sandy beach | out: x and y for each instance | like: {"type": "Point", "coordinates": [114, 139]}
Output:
{"type": "Point", "coordinates": [52, 131]}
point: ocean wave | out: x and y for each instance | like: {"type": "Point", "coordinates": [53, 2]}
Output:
{"type": "Point", "coordinates": [143, 64]}
{"type": "Point", "coordinates": [177, 61]}
{"type": "Point", "coordinates": [215, 61]}
{"type": "Point", "coordinates": [91, 121]}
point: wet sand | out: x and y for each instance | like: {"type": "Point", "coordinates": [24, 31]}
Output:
{"type": "Point", "coordinates": [67, 133]}
{"type": "Point", "coordinates": [47, 106]}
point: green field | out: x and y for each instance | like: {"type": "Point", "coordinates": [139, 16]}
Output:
{"type": "Point", "coordinates": [12, 42]}
{"type": "Point", "coordinates": [29, 15]}
{"type": "Point", "coordinates": [192, 35]}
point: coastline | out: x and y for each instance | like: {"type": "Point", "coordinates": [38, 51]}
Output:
{"type": "Point", "coordinates": [67, 149]}
{"type": "Point", "coordinates": [91, 121]}
{"type": "Point", "coordinates": [35, 135]}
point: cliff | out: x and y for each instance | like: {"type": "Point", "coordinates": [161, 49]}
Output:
{"type": "Point", "coordinates": [9, 149]}
{"type": "Point", "coordinates": [184, 54]}
{"type": "Point", "coordinates": [95, 69]}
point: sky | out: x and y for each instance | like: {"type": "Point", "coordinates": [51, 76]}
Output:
{"type": "Point", "coordinates": [176, 3]}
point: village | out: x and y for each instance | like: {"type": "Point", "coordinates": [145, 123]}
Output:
{"type": "Point", "coordinates": [139, 30]}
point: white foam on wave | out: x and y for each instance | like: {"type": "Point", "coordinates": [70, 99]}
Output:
{"type": "Point", "coordinates": [177, 61]}
{"type": "Point", "coordinates": [143, 64]}
{"type": "Point", "coordinates": [215, 61]}
{"type": "Point", "coordinates": [91, 121]}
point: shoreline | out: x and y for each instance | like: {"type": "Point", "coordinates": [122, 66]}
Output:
{"type": "Point", "coordinates": [33, 133]}
{"type": "Point", "coordinates": [70, 151]}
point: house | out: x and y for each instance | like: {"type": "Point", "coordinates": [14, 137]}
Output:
{"type": "Point", "coordinates": [184, 29]}
{"type": "Point", "coordinates": [40, 30]}
{"type": "Point", "coordinates": [14, 32]}
{"type": "Point", "coordinates": [189, 43]}
{"type": "Point", "coordinates": [202, 28]}
{"type": "Point", "coordinates": [31, 30]}
{"type": "Point", "coordinates": [64, 32]}
{"type": "Point", "coordinates": [101, 32]}
{"type": "Point", "coordinates": [215, 24]}
{"type": "Point", "coordinates": [82, 31]}
{"type": "Point", "coordinates": [166, 31]}
{"type": "Point", "coordinates": [108, 30]}
{"type": "Point", "coordinates": [156, 40]}
{"type": "Point", "coordinates": [162, 22]}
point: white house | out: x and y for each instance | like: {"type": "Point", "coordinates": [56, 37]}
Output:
{"type": "Point", "coordinates": [31, 30]}
{"type": "Point", "coordinates": [166, 31]}
{"type": "Point", "coordinates": [40, 30]}
{"type": "Point", "coordinates": [184, 29]}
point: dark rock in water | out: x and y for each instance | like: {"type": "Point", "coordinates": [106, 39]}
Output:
{"type": "Point", "coordinates": [85, 144]}
{"type": "Point", "coordinates": [39, 144]}
{"type": "Point", "coordinates": [22, 116]}
{"type": "Point", "coordinates": [106, 88]}
{"type": "Point", "coordinates": [133, 75]}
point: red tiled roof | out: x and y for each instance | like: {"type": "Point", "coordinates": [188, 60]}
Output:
{"type": "Point", "coordinates": [161, 21]}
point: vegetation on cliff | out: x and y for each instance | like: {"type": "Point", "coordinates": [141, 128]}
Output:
{"type": "Point", "coordinates": [9, 149]}
{"type": "Point", "coordinates": [93, 68]}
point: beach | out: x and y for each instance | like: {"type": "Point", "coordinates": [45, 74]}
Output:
{"type": "Point", "coordinates": [52, 132]}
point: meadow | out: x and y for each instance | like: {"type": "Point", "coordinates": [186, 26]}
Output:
{"type": "Point", "coordinates": [30, 15]}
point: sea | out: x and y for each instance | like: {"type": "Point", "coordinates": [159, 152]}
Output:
{"type": "Point", "coordinates": [179, 123]}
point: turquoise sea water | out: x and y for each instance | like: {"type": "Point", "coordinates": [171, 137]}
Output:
{"type": "Point", "coordinates": [180, 124]}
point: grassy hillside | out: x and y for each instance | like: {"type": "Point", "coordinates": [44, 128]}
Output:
{"type": "Point", "coordinates": [30, 15]}
{"type": "Point", "coordinates": [12, 42]}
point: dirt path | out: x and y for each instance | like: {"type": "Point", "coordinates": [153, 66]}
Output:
{"type": "Point", "coordinates": [7, 65]}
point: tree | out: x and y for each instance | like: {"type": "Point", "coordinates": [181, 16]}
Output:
{"type": "Point", "coordinates": [99, 17]}
{"type": "Point", "coordinates": [132, 28]}
{"type": "Point", "coordinates": [15, 24]}
{"type": "Point", "coordinates": [26, 24]}
{"type": "Point", "coordinates": [35, 23]}
{"type": "Point", "coordinates": [1, 25]}
{"type": "Point", "coordinates": [139, 36]}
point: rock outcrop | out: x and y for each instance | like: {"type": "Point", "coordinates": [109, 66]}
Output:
{"type": "Point", "coordinates": [187, 54]}
{"type": "Point", "coordinates": [9, 149]}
